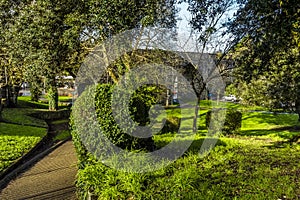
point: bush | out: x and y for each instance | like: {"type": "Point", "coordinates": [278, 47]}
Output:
{"type": "Point", "coordinates": [172, 125]}
{"type": "Point", "coordinates": [139, 105]}
{"type": "Point", "coordinates": [141, 100]}
{"type": "Point", "coordinates": [232, 123]}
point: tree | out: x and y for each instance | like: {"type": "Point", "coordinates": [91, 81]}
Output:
{"type": "Point", "coordinates": [49, 37]}
{"type": "Point", "coordinates": [207, 22]}
{"type": "Point", "coordinates": [10, 74]}
{"type": "Point", "coordinates": [267, 57]}
{"type": "Point", "coordinates": [38, 42]}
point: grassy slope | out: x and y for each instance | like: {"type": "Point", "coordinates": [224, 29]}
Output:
{"type": "Point", "coordinates": [17, 139]}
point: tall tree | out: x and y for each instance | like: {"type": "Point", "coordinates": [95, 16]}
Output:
{"type": "Point", "coordinates": [48, 37]}
{"type": "Point", "coordinates": [10, 74]}
{"type": "Point", "coordinates": [208, 17]}
{"type": "Point", "coordinates": [35, 39]}
{"type": "Point", "coordinates": [267, 56]}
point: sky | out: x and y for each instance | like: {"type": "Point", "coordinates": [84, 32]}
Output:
{"type": "Point", "coordinates": [185, 16]}
{"type": "Point", "coordinates": [184, 28]}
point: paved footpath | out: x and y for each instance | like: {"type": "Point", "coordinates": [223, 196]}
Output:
{"type": "Point", "coordinates": [53, 177]}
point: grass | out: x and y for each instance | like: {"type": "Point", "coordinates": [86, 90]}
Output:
{"type": "Point", "coordinates": [16, 141]}
{"type": "Point", "coordinates": [236, 169]}
{"type": "Point", "coordinates": [65, 99]}
{"type": "Point", "coordinates": [22, 117]}
{"type": "Point", "coordinates": [22, 132]}
{"type": "Point", "coordinates": [25, 101]}
{"type": "Point", "coordinates": [62, 135]}
{"type": "Point", "coordinates": [268, 120]}
{"type": "Point", "coordinates": [207, 104]}
{"type": "Point", "coordinates": [268, 124]}
{"type": "Point", "coordinates": [245, 166]}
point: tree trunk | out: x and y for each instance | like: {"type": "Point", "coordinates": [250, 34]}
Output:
{"type": "Point", "coordinates": [1, 106]}
{"type": "Point", "coordinates": [297, 105]}
{"type": "Point", "coordinates": [12, 93]}
{"type": "Point", "coordinates": [167, 98]}
{"type": "Point", "coordinates": [34, 93]}
{"type": "Point", "coordinates": [53, 97]}
{"type": "Point", "coordinates": [195, 128]}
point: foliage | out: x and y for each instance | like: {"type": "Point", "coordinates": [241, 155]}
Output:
{"type": "Point", "coordinates": [10, 75]}
{"type": "Point", "coordinates": [16, 141]}
{"type": "Point", "coordinates": [53, 98]}
{"type": "Point", "coordinates": [171, 125]}
{"type": "Point", "coordinates": [235, 168]}
{"type": "Point", "coordinates": [267, 57]}
{"type": "Point", "coordinates": [43, 39]}
{"type": "Point", "coordinates": [232, 122]}
{"type": "Point", "coordinates": [107, 121]}
{"type": "Point", "coordinates": [208, 17]}
{"type": "Point", "coordinates": [141, 102]}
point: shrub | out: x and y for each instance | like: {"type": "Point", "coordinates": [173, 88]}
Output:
{"type": "Point", "coordinates": [232, 123]}
{"type": "Point", "coordinates": [142, 99]}
{"type": "Point", "coordinates": [140, 103]}
{"type": "Point", "coordinates": [172, 125]}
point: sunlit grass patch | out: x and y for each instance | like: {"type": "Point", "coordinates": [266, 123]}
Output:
{"type": "Point", "coordinates": [246, 165]}
{"type": "Point", "coordinates": [16, 141]}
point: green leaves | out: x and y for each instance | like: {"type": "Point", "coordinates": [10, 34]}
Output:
{"type": "Point", "coordinates": [267, 58]}
{"type": "Point", "coordinates": [45, 38]}
{"type": "Point", "coordinates": [16, 140]}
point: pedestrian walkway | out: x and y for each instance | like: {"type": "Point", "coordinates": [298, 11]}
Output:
{"type": "Point", "coordinates": [53, 177]}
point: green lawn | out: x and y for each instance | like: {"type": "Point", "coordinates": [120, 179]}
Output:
{"type": "Point", "coordinates": [22, 132]}
{"type": "Point", "coordinates": [62, 135]}
{"type": "Point", "coordinates": [25, 101]}
{"type": "Point", "coordinates": [22, 117]}
{"type": "Point", "coordinates": [17, 140]}
{"type": "Point", "coordinates": [245, 166]}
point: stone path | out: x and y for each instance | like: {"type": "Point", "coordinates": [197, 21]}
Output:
{"type": "Point", "coordinates": [53, 177]}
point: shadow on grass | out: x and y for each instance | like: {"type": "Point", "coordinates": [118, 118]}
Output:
{"type": "Point", "coordinates": [205, 144]}
{"type": "Point", "coordinates": [284, 132]}
{"type": "Point", "coordinates": [31, 104]}
{"type": "Point", "coordinates": [270, 119]}
{"type": "Point", "coordinates": [41, 105]}
{"type": "Point", "coordinates": [197, 146]}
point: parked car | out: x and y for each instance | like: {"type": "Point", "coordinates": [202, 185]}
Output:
{"type": "Point", "coordinates": [230, 98]}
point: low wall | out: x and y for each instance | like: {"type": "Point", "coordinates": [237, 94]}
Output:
{"type": "Point", "coordinates": [52, 115]}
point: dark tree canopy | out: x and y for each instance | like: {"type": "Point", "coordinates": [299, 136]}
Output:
{"type": "Point", "coordinates": [267, 56]}
{"type": "Point", "coordinates": [44, 38]}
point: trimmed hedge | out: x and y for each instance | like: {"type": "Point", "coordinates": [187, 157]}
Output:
{"type": "Point", "coordinates": [140, 103]}
{"type": "Point", "coordinates": [139, 113]}
{"type": "Point", "coordinates": [139, 106]}
{"type": "Point", "coordinates": [232, 123]}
